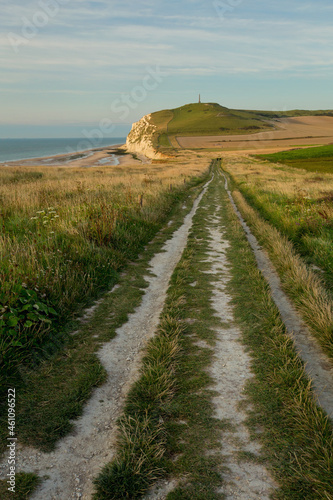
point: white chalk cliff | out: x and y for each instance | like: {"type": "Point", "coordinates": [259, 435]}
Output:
{"type": "Point", "coordinates": [140, 139]}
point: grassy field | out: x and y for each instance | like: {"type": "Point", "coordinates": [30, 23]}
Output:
{"type": "Point", "coordinates": [65, 235]}
{"type": "Point", "coordinates": [209, 119]}
{"type": "Point", "coordinates": [204, 119]}
{"type": "Point", "coordinates": [295, 205]}
{"type": "Point", "coordinates": [314, 159]}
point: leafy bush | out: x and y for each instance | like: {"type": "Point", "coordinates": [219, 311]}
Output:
{"type": "Point", "coordinates": [24, 323]}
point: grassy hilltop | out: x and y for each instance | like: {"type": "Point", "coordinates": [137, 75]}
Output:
{"type": "Point", "coordinates": [213, 119]}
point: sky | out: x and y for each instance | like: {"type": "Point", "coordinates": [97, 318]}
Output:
{"type": "Point", "coordinates": [72, 68]}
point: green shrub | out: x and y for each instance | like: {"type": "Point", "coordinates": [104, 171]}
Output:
{"type": "Point", "coordinates": [24, 323]}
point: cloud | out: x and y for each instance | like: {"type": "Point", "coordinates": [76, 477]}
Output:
{"type": "Point", "coordinates": [106, 45]}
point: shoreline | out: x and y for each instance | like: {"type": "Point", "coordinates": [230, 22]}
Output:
{"type": "Point", "coordinates": [96, 157]}
{"type": "Point", "coordinates": [64, 151]}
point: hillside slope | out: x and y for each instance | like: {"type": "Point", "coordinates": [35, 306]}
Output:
{"type": "Point", "coordinates": [155, 133]}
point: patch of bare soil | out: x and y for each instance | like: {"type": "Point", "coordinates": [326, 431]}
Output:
{"type": "Point", "coordinates": [243, 479]}
{"type": "Point", "coordinates": [317, 365]}
{"type": "Point", "coordinates": [288, 132]}
{"type": "Point", "coordinates": [78, 458]}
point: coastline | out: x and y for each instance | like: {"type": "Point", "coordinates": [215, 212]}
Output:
{"type": "Point", "coordinates": [96, 157]}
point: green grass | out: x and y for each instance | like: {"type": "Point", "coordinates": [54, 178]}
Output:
{"type": "Point", "coordinates": [52, 392]}
{"type": "Point", "coordinates": [304, 219]}
{"type": "Point", "coordinates": [163, 140]}
{"type": "Point", "coordinates": [65, 235]}
{"type": "Point", "coordinates": [314, 159]}
{"type": "Point", "coordinates": [301, 221]}
{"type": "Point", "coordinates": [213, 119]}
{"type": "Point", "coordinates": [296, 435]}
{"type": "Point", "coordinates": [67, 267]}
{"type": "Point", "coordinates": [299, 240]}
{"type": "Point", "coordinates": [25, 484]}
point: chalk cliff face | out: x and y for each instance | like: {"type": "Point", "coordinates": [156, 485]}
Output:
{"type": "Point", "coordinates": [140, 139]}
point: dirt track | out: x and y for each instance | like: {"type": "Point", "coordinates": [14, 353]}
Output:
{"type": "Point", "coordinates": [80, 456]}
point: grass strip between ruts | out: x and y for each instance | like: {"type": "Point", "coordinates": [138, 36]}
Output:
{"type": "Point", "coordinates": [168, 424]}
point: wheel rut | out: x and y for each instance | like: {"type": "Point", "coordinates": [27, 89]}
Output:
{"type": "Point", "coordinates": [230, 371]}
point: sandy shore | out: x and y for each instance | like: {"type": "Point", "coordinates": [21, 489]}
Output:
{"type": "Point", "coordinates": [106, 156]}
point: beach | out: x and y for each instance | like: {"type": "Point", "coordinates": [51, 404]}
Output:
{"type": "Point", "coordinates": [105, 156]}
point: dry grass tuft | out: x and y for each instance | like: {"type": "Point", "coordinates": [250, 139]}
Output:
{"type": "Point", "coordinates": [300, 282]}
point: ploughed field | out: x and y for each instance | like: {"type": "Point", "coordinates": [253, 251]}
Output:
{"type": "Point", "coordinates": [287, 132]}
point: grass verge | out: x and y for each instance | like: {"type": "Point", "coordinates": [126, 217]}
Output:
{"type": "Point", "coordinates": [293, 253]}
{"type": "Point", "coordinates": [301, 284]}
{"type": "Point", "coordinates": [296, 202]}
{"type": "Point", "coordinates": [296, 435]}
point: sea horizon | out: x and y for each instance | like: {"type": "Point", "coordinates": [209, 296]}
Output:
{"type": "Point", "coordinates": [12, 150]}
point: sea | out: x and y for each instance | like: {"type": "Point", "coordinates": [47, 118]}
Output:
{"type": "Point", "coordinates": [24, 149]}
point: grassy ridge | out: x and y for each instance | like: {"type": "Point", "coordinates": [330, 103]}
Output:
{"type": "Point", "coordinates": [208, 119]}
{"type": "Point", "coordinates": [213, 119]}
{"type": "Point", "coordinates": [315, 159]}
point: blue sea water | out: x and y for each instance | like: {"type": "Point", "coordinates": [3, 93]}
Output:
{"type": "Point", "coordinates": [23, 149]}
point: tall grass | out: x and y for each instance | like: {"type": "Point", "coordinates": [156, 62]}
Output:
{"type": "Point", "coordinates": [296, 435]}
{"type": "Point", "coordinates": [298, 203]}
{"type": "Point", "coordinates": [64, 235]}
{"type": "Point", "coordinates": [307, 289]}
